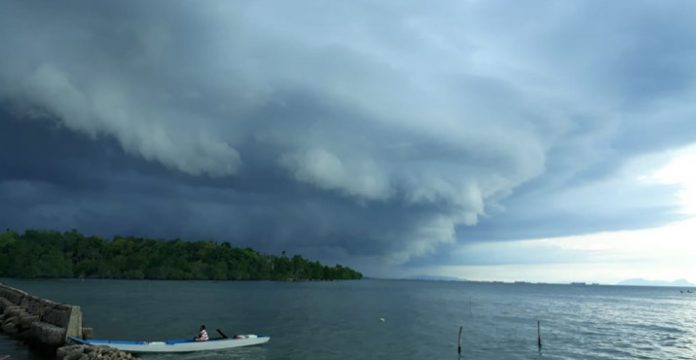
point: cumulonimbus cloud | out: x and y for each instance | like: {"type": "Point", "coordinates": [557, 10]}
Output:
{"type": "Point", "coordinates": [106, 110]}
{"type": "Point", "coordinates": [424, 117]}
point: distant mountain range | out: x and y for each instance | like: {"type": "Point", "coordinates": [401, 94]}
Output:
{"type": "Point", "coordinates": [628, 282]}
{"type": "Point", "coordinates": [644, 282]}
{"type": "Point", "coordinates": [435, 278]}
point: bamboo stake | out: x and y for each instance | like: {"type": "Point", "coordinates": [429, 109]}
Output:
{"type": "Point", "coordinates": [539, 334]}
{"type": "Point", "coordinates": [459, 342]}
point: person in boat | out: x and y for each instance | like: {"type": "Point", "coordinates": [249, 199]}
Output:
{"type": "Point", "coordinates": [202, 334]}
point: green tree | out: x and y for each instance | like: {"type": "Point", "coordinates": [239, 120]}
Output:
{"type": "Point", "coordinates": [51, 254]}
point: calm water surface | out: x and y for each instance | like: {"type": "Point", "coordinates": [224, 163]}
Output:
{"type": "Point", "coordinates": [341, 320]}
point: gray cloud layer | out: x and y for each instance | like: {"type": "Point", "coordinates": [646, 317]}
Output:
{"type": "Point", "coordinates": [388, 130]}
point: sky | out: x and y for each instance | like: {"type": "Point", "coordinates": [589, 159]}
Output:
{"type": "Point", "coordinates": [485, 140]}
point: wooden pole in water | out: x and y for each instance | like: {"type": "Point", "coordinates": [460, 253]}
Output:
{"type": "Point", "coordinates": [459, 342]}
{"type": "Point", "coordinates": [539, 334]}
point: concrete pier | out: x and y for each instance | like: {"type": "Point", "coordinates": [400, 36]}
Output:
{"type": "Point", "coordinates": [36, 320]}
{"type": "Point", "coordinates": [47, 324]}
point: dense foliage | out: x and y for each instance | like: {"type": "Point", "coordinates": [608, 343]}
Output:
{"type": "Point", "coordinates": [51, 254]}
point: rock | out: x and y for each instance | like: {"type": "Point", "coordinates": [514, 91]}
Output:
{"type": "Point", "coordinates": [70, 352]}
{"type": "Point", "coordinates": [58, 316]}
{"type": "Point", "coordinates": [13, 310]}
{"type": "Point", "coordinates": [4, 303]}
{"type": "Point", "coordinates": [34, 305]}
{"type": "Point", "coordinates": [63, 351]}
{"type": "Point", "coordinates": [82, 352]}
{"type": "Point", "coordinates": [10, 319]}
{"type": "Point", "coordinates": [74, 356]}
{"type": "Point", "coordinates": [48, 334]}
{"type": "Point", "coordinates": [87, 333]}
{"type": "Point", "coordinates": [13, 295]}
{"type": "Point", "coordinates": [9, 328]}
{"type": "Point", "coordinates": [26, 319]}
{"type": "Point", "coordinates": [25, 334]}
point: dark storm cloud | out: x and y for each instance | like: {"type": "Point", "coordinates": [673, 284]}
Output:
{"type": "Point", "coordinates": [356, 130]}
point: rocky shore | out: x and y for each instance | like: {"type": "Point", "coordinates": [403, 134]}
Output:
{"type": "Point", "coordinates": [84, 352]}
{"type": "Point", "coordinates": [37, 321]}
{"type": "Point", "coordinates": [47, 325]}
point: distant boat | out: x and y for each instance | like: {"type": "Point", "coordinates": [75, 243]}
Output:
{"type": "Point", "coordinates": [177, 345]}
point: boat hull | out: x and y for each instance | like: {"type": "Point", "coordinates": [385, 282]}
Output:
{"type": "Point", "coordinates": [173, 346]}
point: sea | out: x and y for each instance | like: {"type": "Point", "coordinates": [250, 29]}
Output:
{"type": "Point", "coordinates": [386, 319]}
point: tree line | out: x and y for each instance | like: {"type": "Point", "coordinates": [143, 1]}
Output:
{"type": "Point", "coordinates": [53, 254]}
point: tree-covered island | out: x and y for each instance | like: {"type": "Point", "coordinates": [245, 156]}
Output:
{"type": "Point", "coordinates": [52, 254]}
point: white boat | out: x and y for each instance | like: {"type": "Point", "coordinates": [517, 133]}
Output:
{"type": "Point", "coordinates": [177, 345]}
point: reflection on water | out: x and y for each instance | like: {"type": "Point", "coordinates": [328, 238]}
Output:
{"type": "Point", "coordinates": [343, 320]}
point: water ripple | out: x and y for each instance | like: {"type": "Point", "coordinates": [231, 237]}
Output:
{"type": "Point", "coordinates": [340, 320]}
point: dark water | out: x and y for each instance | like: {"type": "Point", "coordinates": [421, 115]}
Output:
{"type": "Point", "coordinates": [341, 320]}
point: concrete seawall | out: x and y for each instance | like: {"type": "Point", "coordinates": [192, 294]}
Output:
{"type": "Point", "coordinates": [48, 324]}
{"type": "Point", "coordinates": [38, 321]}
